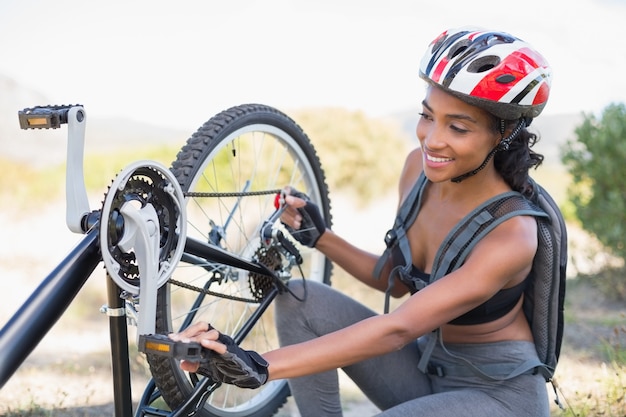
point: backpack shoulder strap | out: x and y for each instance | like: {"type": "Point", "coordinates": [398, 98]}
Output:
{"type": "Point", "coordinates": [406, 215]}
{"type": "Point", "coordinates": [482, 220]}
{"type": "Point", "coordinates": [396, 239]}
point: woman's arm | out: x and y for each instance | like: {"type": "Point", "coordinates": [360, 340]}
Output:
{"type": "Point", "coordinates": [502, 256]}
{"type": "Point", "coordinates": [356, 262]}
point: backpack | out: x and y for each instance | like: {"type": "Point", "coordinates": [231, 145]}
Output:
{"type": "Point", "coordinates": [544, 295]}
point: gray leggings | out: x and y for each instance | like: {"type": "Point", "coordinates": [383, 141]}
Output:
{"type": "Point", "coordinates": [393, 382]}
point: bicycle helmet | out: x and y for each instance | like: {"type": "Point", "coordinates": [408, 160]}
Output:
{"type": "Point", "coordinates": [492, 70]}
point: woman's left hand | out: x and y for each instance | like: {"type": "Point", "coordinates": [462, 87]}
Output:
{"type": "Point", "coordinates": [302, 218]}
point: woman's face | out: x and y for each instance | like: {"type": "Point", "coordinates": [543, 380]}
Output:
{"type": "Point", "coordinates": [455, 137]}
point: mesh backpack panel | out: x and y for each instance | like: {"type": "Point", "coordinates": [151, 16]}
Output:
{"type": "Point", "coordinates": [545, 294]}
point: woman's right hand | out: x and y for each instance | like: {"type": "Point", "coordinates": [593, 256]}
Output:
{"type": "Point", "coordinates": [203, 333]}
{"type": "Point", "coordinates": [225, 361]}
{"type": "Point", "coordinates": [302, 218]}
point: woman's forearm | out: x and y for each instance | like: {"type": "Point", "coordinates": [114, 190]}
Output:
{"type": "Point", "coordinates": [366, 339]}
{"type": "Point", "coordinates": [356, 262]}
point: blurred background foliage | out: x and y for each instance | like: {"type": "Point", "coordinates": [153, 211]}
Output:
{"type": "Point", "coordinates": [361, 156]}
{"type": "Point", "coordinates": [595, 161]}
{"type": "Point", "coordinates": [596, 194]}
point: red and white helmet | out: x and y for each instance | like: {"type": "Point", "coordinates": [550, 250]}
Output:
{"type": "Point", "coordinates": [491, 70]}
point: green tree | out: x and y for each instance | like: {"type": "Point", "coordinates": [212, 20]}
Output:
{"type": "Point", "coordinates": [362, 156]}
{"type": "Point", "coordinates": [596, 161]}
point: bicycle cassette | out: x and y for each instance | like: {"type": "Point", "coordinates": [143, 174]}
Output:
{"type": "Point", "coordinates": [151, 187]}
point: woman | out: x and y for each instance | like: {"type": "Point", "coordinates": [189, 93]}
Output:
{"type": "Point", "coordinates": [484, 88]}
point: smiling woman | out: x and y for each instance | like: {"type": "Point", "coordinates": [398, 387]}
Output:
{"type": "Point", "coordinates": [476, 304]}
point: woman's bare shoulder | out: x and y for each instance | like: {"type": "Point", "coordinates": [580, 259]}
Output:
{"type": "Point", "coordinates": [410, 172]}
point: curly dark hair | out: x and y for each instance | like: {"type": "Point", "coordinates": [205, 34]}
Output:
{"type": "Point", "coordinates": [515, 162]}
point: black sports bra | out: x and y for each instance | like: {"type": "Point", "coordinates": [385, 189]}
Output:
{"type": "Point", "coordinates": [494, 308]}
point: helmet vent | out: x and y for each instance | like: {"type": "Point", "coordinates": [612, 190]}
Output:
{"type": "Point", "coordinates": [505, 78]}
{"type": "Point", "coordinates": [438, 43]}
{"type": "Point", "coordinates": [484, 63]}
{"type": "Point", "coordinates": [458, 48]}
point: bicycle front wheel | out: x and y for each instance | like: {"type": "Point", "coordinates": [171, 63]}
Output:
{"type": "Point", "coordinates": [229, 171]}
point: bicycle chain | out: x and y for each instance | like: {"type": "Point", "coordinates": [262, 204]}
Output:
{"type": "Point", "coordinates": [209, 292]}
{"type": "Point", "coordinates": [232, 194]}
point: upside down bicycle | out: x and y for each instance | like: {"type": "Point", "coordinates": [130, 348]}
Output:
{"type": "Point", "coordinates": [198, 241]}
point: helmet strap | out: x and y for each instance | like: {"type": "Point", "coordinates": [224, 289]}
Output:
{"type": "Point", "coordinates": [502, 146]}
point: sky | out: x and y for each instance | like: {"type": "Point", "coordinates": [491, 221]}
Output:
{"type": "Point", "coordinates": [177, 63]}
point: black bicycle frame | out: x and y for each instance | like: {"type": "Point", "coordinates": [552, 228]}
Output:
{"type": "Point", "coordinates": [46, 305]}
{"type": "Point", "coordinates": [29, 325]}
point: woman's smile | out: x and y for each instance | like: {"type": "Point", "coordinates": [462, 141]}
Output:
{"type": "Point", "coordinates": [434, 160]}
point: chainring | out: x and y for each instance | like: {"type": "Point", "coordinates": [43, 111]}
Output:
{"type": "Point", "coordinates": [140, 184]}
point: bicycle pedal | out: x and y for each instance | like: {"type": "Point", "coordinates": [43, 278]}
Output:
{"type": "Point", "coordinates": [161, 345]}
{"type": "Point", "coordinates": [44, 117]}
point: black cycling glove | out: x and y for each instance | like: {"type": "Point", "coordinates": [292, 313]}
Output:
{"type": "Point", "coordinates": [312, 226]}
{"type": "Point", "coordinates": [243, 368]}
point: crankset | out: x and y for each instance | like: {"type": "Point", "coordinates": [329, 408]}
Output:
{"type": "Point", "coordinates": [143, 231]}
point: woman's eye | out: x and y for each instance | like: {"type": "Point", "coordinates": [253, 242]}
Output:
{"type": "Point", "coordinates": [458, 129]}
{"type": "Point", "coordinates": [424, 116]}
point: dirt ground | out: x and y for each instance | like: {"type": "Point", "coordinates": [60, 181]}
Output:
{"type": "Point", "coordinates": [69, 373]}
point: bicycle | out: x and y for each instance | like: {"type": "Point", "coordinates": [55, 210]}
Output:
{"type": "Point", "coordinates": [200, 240]}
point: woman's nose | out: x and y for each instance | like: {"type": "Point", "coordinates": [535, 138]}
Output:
{"type": "Point", "coordinates": [431, 136]}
